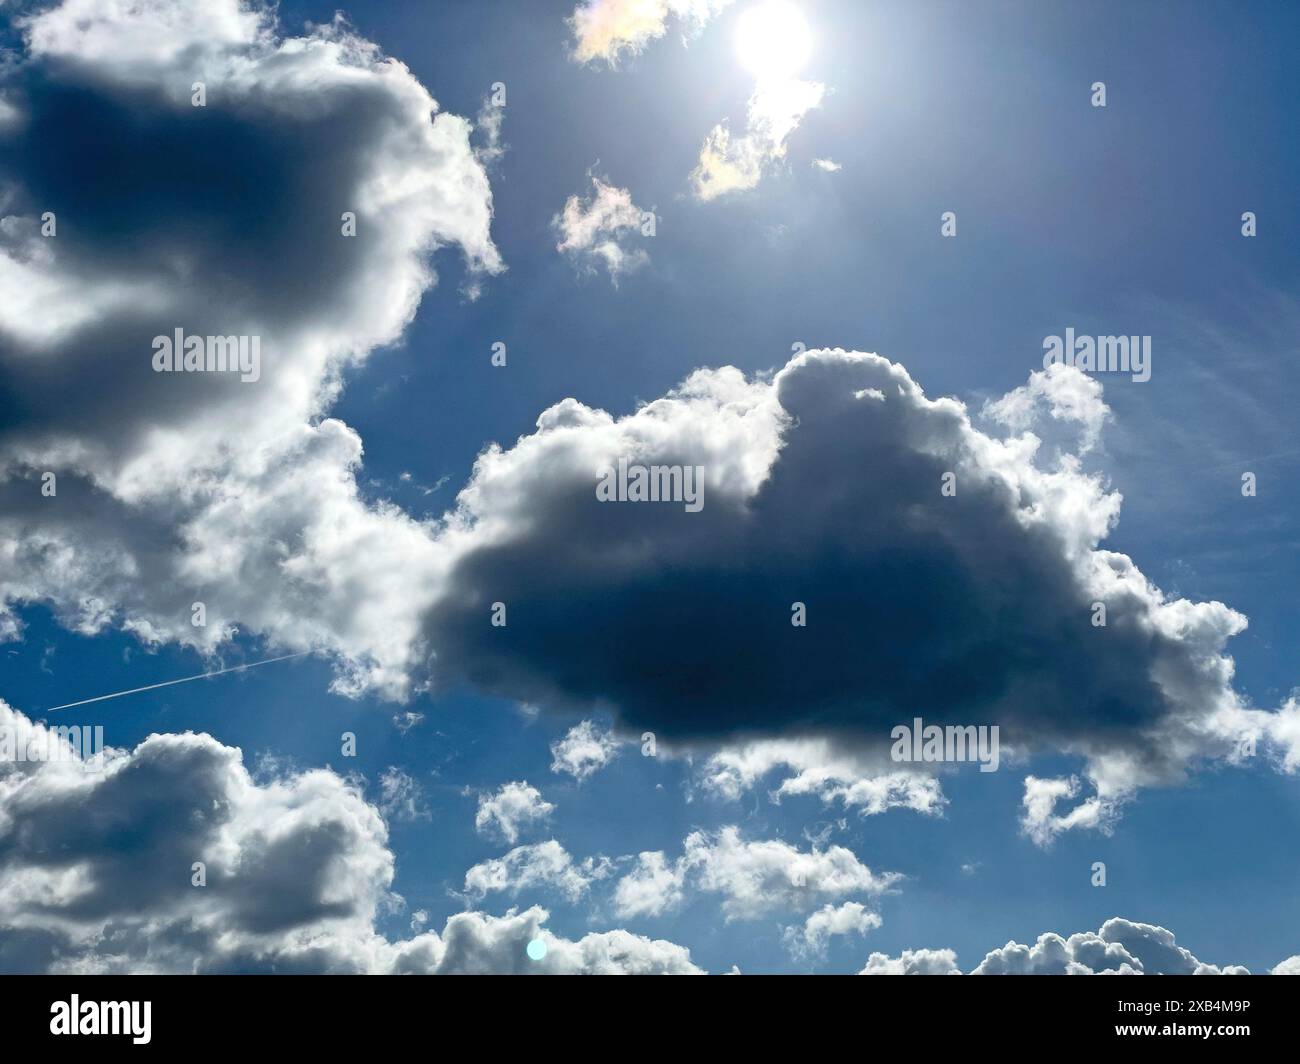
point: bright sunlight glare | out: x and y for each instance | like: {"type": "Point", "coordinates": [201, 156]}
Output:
{"type": "Point", "coordinates": [773, 39]}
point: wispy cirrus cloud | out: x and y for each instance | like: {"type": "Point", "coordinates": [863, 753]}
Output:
{"type": "Point", "coordinates": [730, 162]}
{"type": "Point", "coordinates": [601, 230]}
{"type": "Point", "coordinates": [609, 30]}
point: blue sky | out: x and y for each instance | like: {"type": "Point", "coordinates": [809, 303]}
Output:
{"type": "Point", "coordinates": [1123, 219]}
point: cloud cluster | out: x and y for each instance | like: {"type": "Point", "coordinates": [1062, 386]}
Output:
{"type": "Point", "coordinates": [543, 866]}
{"type": "Point", "coordinates": [869, 785]}
{"type": "Point", "coordinates": [823, 480]}
{"type": "Point", "coordinates": [752, 878]}
{"type": "Point", "coordinates": [478, 944]}
{"type": "Point", "coordinates": [98, 874]}
{"type": "Point", "coordinates": [1120, 947]}
{"type": "Point", "coordinates": [295, 871]}
{"type": "Point", "coordinates": [97, 863]}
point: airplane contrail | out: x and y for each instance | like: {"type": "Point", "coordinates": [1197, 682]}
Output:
{"type": "Point", "coordinates": [185, 679]}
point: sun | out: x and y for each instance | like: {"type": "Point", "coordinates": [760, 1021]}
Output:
{"type": "Point", "coordinates": [773, 39]}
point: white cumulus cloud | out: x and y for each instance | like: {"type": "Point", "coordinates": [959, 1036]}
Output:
{"type": "Point", "coordinates": [751, 877]}
{"type": "Point", "coordinates": [850, 918]}
{"type": "Point", "coordinates": [600, 230]}
{"type": "Point", "coordinates": [817, 767]}
{"type": "Point", "coordinates": [512, 809]}
{"type": "Point", "coordinates": [913, 962]}
{"type": "Point", "coordinates": [584, 750]}
{"type": "Point", "coordinates": [1119, 947]}
{"type": "Point", "coordinates": [543, 866]}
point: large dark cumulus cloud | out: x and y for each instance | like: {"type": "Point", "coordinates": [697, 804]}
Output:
{"type": "Point", "coordinates": [971, 609]}
{"type": "Point", "coordinates": [221, 220]}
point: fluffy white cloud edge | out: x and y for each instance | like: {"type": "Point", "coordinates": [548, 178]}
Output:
{"type": "Point", "coordinates": [1119, 947]}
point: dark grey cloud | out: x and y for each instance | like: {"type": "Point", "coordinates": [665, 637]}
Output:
{"type": "Point", "coordinates": [225, 217]}
{"type": "Point", "coordinates": [823, 486]}
{"type": "Point", "coordinates": [220, 220]}
{"type": "Point", "coordinates": [97, 859]}
{"type": "Point", "coordinates": [96, 874]}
